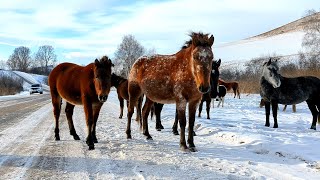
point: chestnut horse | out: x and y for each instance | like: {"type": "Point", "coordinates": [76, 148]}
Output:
{"type": "Point", "coordinates": [231, 85]}
{"type": "Point", "coordinates": [121, 84]}
{"type": "Point", "coordinates": [180, 78]}
{"type": "Point", "coordinates": [88, 86]}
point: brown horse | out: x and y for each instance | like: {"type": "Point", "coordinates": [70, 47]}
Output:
{"type": "Point", "coordinates": [180, 78]}
{"type": "Point", "coordinates": [88, 86]}
{"type": "Point", "coordinates": [231, 85]}
{"type": "Point", "coordinates": [121, 84]}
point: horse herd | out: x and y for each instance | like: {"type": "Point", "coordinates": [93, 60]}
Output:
{"type": "Point", "coordinates": [190, 76]}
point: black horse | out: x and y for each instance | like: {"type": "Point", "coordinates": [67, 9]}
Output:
{"type": "Point", "coordinates": [214, 77]}
{"type": "Point", "coordinates": [213, 83]}
{"type": "Point", "coordinates": [276, 89]}
{"type": "Point", "coordinates": [221, 93]}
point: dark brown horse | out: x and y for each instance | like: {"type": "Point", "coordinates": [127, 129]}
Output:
{"type": "Point", "coordinates": [121, 84]}
{"type": "Point", "coordinates": [231, 85]}
{"type": "Point", "coordinates": [88, 86]}
{"type": "Point", "coordinates": [180, 78]}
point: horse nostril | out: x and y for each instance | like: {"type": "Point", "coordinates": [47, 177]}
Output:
{"type": "Point", "coordinates": [103, 98]}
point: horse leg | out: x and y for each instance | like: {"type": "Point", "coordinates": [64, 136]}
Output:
{"type": "Point", "coordinates": [274, 105]}
{"type": "Point", "coordinates": [121, 100]}
{"type": "Point", "coordinates": [284, 108]}
{"type": "Point", "coordinates": [69, 112]}
{"type": "Point", "coordinates": [145, 112]}
{"type": "Point", "coordinates": [314, 112]}
{"type": "Point", "coordinates": [208, 101]}
{"type": "Point", "coordinates": [267, 111]}
{"type": "Point", "coordinates": [200, 108]}
{"type": "Point", "coordinates": [192, 115]}
{"type": "Point", "coordinates": [238, 91]}
{"type": "Point", "coordinates": [138, 113]}
{"type": "Point", "coordinates": [294, 108]}
{"type": "Point", "coordinates": [89, 121]}
{"type": "Point", "coordinates": [96, 111]}
{"type": "Point", "coordinates": [157, 110]}
{"type": "Point", "coordinates": [175, 124]}
{"type": "Point", "coordinates": [235, 92]}
{"type": "Point", "coordinates": [219, 98]}
{"type": "Point", "coordinates": [56, 103]}
{"type": "Point", "coordinates": [222, 100]}
{"type": "Point", "coordinates": [181, 107]}
{"type": "Point", "coordinates": [134, 95]}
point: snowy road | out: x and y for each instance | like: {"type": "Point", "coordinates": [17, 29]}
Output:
{"type": "Point", "coordinates": [234, 144]}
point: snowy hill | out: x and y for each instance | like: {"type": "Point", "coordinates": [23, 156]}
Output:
{"type": "Point", "coordinates": [28, 79]}
{"type": "Point", "coordinates": [284, 41]}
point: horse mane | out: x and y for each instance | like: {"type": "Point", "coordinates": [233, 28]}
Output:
{"type": "Point", "coordinates": [197, 39]}
{"type": "Point", "coordinates": [104, 60]}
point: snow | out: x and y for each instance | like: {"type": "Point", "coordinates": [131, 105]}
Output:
{"type": "Point", "coordinates": [28, 79]}
{"type": "Point", "coordinates": [245, 50]}
{"type": "Point", "coordinates": [233, 144]}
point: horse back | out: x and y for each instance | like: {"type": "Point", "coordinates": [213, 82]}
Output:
{"type": "Point", "coordinates": [70, 81]}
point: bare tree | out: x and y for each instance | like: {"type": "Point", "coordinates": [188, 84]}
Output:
{"type": "Point", "coordinates": [3, 64]}
{"type": "Point", "coordinates": [20, 59]}
{"type": "Point", "coordinates": [45, 57]}
{"type": "Point", "coordinates": [311, 39]}
{"type": "Point", "coordinates": [128, 51]}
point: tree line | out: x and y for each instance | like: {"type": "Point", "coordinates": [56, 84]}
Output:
{"type": "Point", "coordinates": [39, 63]}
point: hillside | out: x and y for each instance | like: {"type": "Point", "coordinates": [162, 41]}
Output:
{"type": "Point", "coordinates": [294, 26]}
{"type": "Point", "coordinates": [283, 41]}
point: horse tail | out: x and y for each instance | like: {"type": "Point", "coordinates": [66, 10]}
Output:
{"type": "Point", "coordinates": [319, 118]}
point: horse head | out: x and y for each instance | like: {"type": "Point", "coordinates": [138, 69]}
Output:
{"type": "Point", "coordinates": [202, 56]}
{"type": "Point", "coordinates": [215, 73]}
{"type": "Point", "coordinates": [116, 80]}
{"type": "Point", "coordinates": [270, 73]}
{"type": "Point", "coordinates": [102, 77]}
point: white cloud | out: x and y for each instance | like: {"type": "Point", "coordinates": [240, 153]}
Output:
{"type": "Point", "coordinates": [162, 25]}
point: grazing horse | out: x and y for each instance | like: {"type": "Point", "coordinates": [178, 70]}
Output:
{"type": "Point", "coordinates": [214, 83]}
{"type": "Point", "coordinates": [88, 86]}
{"type": "Point", "coordinates": [180, 78]}
{"type": "Point", "coordinates": [231, 85]}
{"type": "Point", "coordinates": [121, 84]}
{"type": "Point", "coordinates": [278, 89]}
{"type": "Point", "coordinates": [222, 91]}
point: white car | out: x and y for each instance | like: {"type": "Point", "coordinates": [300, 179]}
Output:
{"type": "Point", "coordinates": [36, 88]}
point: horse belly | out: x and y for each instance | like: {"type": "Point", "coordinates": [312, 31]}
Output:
{"type": "Point", "coordinates": [160, 92]}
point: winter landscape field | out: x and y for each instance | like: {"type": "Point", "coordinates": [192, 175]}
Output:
{"type": "Point", "coordinates": [233, 144]}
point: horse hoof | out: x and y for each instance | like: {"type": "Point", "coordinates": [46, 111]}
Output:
{"type": "Point", "coordinates": [193, 149]}
{"type": "Point", "coordinates": [120, 117]}
{"type": "Point", "coordinates": [185, 149]}
{"type": "Point", "coordinates": [149, 138]}
{"type": "Point", "coordinates": [313, 127]}
{"type": "Point", "coordinates": [267, 125]}
{"type": "Point", "coordinates": [91, 147]}
{"type": "Point", "coordinates": [158, 129]}
{"type": "Point", "coordinates": [161, 127]}
{"type": "Point", "coordinates": [76, 137]}
{"type": "Point", "coordinates": [194, 134]}
{"type": "Point", "coordinates": [57, 138]}
{"type": "Point", "coordinates": [175, 132]}
{"type": "Point", "coordinates": [95, 141]}
{"type": "Point", "coordinates": [129, 137]}
{"type": "Point", "coordinates": [208, 117]}
{"type": "Point", "coordinates": [275, 126]}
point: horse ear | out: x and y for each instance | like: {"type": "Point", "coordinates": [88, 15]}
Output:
{"type": "Point", "coordinates": [269, 62]}
{"type": "Point", "coordinates": [211, 40]}
{"type": "Point", "coordinates": [96, 62]}
{"type": "Point", "coordinates": [219, 62]}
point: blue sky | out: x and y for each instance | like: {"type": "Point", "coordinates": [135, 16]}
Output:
{"type": "Point", "coordinates": [81, 31]}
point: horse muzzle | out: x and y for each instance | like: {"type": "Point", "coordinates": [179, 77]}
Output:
{"type": "Point", "coordinates": [204, 89]}
{"type": "Point", "coordinates": [103, 98]}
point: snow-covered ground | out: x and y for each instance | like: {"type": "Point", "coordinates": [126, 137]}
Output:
{"type": "Point", "coordinates": [233, 144]}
